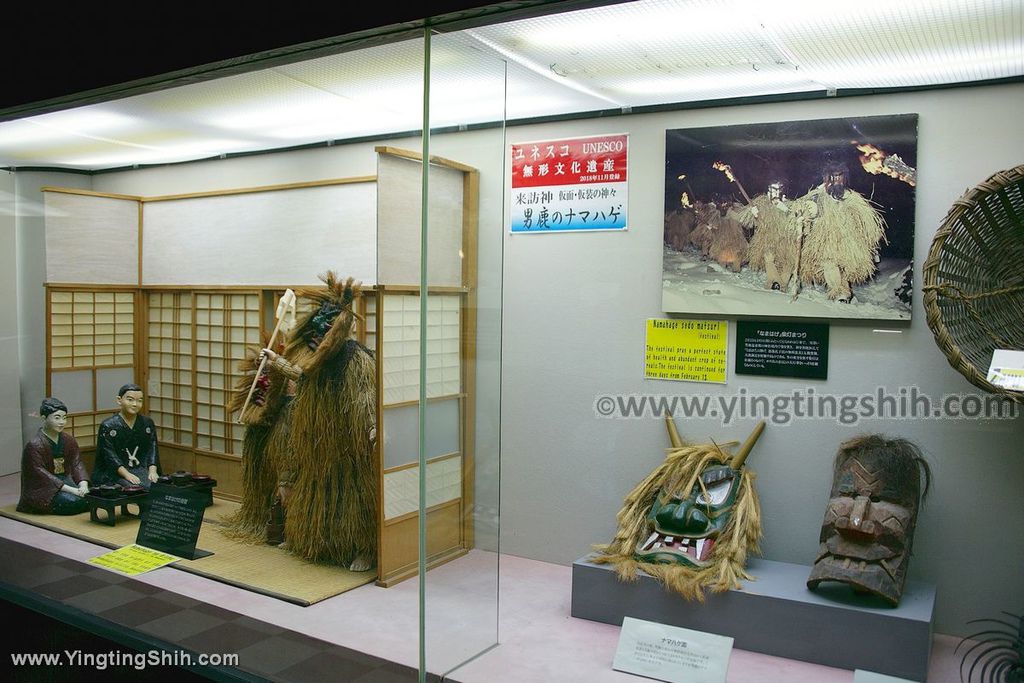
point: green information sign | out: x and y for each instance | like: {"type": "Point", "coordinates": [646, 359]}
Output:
{"type": "Point", "coordinates": [782, 349]}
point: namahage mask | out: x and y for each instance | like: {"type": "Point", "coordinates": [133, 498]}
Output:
{"type": "Point", "coordinates": [868, 530]}
{"type": "Point", "coordinates": [691, 522]}
{"type": "Point", "coordinates": [685, 525]}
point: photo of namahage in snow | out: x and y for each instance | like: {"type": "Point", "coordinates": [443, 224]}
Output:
{"type": "Point", "coordinates": [792, 219]}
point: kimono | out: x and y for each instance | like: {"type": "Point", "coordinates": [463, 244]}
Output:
{"type": "Point", "coordinates": [118, 445]}
{"type": "Point", "coordinates": [46, 466]}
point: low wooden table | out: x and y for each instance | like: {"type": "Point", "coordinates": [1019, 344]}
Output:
{"type": "Point", "coordinates": [110, 504]}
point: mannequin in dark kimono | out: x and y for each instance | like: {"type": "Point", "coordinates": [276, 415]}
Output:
{"type": "Point", "coordinates": [126, 446]}
{"type": "Point", "coordinates": [53, 479]}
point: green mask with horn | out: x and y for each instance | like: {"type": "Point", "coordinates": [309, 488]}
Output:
{"type": "Point", "coordinates": [686, 524]}
{"type": "Point", "coordinates": [692, 521]}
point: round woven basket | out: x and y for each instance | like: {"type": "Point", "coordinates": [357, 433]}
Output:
{"type": "Point", "coordinates": [974, 278]}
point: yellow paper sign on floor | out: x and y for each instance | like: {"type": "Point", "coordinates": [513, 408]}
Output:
{"type": "Point", "coordinates": [689, 350]}
{"type": "Point", "coordinates": [134, 559]}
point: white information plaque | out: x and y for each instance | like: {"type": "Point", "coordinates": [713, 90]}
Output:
{"type": "Point", "coordinates": [861, 676]}
{"type": "Point", "coordinates": [669, 653]}
{"type": "Point", "coordinates": [1007, 369]}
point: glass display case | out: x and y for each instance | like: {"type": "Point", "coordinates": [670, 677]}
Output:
{"type": "Point", "coordinates": [516, 398]}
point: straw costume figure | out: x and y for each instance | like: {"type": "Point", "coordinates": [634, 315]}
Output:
{"type": "Point", "coordinates": [776, 239]}
{"type": "Point", "coordinates": [679, 223]}
{"type": "Point", "coordinates": [719, 235]}
{"type": "Point", "coordinates": [728, 244]}
{"type": "Point", "coordinates": [323, 455]}
{"type": "Point", "coordinates": [840, 247]}
{"type": "Point", "coordinates": [691, 523]}
{"type": "Point", "coordinates": [700, 235]}
{"type": "Point", "coordinates": [264, 446]}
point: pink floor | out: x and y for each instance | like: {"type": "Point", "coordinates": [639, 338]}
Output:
{"type": "Point", "coordinates": [538, 640]}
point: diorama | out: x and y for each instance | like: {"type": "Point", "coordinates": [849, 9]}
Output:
{"type": "Point", "coordinates": [162, 370]}
{"type": "Point", "coordinates": [791, 219]}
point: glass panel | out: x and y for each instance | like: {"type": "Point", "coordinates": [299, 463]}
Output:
{"type": "Point", "coordinates": [108, 382]}
{"type": "Point", "coordinates": [74, 388]}
{"type": "Point", "coordinates": [461, 337]}
{"type": "Point", "coordinates": [401, 438]}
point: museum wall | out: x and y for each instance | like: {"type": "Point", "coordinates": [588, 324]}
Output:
{"type": "Point", "coordinates": [573, 330]}
{"type": "Point", "coordinates": [572, 314]}
{"type": "Point", "coordinates": [10, 401]}
{"type": "Point", "coordinates": [31, 296]}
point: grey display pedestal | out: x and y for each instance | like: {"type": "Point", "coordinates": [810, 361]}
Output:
{"type": "Point", "coordinates": [776, 614]}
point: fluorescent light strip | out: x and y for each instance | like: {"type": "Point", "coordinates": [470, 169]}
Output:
{"type": "Point", "coordinates": [543, 71]}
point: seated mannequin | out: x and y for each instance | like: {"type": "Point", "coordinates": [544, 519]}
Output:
{"type": "Point", "coordinates": [53, 479]}
{"type": "Point", "coordinates": [126, 446]}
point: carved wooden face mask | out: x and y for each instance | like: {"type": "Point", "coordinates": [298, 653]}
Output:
{"type": "Point", "coordinates": [868, 531]}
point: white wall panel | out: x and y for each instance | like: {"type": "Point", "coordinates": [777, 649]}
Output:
{"type": "Point", "coordinates": [398, 220]}
{"type": "Point", "coordinates": [281, 237]}
{"type": "Point", "coordinates": [91, 239]}
{"type": "Point", "coordinates": [573, 331]}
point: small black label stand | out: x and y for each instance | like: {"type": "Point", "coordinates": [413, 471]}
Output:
{"type": "Point", "coordinates": [171, 521]}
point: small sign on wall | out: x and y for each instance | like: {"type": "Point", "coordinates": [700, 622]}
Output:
{"type": "Point", "coordinates": [1007, 369]}
{"type": "Point", "coordinates": [569, 185]}
{"type": "Point", "coordinates": [782, 349]}
{"type": "Point", "coordinates": [686, 350]}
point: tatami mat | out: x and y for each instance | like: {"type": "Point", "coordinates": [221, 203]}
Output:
{"type": "Point", "coordinates": [261, 568]}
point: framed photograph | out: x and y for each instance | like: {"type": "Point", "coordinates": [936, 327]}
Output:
{"type": "Point", "coordinates": [793, 219]}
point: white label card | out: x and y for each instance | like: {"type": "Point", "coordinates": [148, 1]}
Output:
{"type": "Point", "coordinates": [1007, 369]}
{"type": "Point", "coordinates": [670, 653]}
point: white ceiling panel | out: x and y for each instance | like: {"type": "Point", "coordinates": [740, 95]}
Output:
{"type": "Point", "coordinates": [634, 54]}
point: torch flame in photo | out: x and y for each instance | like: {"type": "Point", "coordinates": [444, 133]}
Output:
{"type": "Point", "coordinates": [726, 169]}
{"type": "Point", "coordinates": [877, 161]}
{"type": "Point", "coordinates": [684, 199]}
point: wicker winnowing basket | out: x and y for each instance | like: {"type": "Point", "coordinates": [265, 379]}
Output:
{"type": "Point", "coordinates": [974, 278]}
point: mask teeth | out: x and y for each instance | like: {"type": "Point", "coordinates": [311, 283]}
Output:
{"type": "Point", "coordinates": [653, 537]}
{"type": "Point", "coordinates": [700, 546]}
